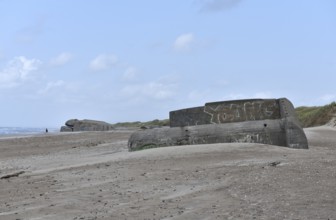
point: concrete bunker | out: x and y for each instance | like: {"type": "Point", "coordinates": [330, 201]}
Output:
{"type": "Point", "coordinates": [86, 125]}
{"type": "Point", "coordinates": [266, 121]}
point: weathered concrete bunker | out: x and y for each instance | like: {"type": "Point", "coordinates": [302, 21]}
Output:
{"type": "Point", "coordinates": [86, 125]}
{"type": "Point", "coordinates": [266, 121]}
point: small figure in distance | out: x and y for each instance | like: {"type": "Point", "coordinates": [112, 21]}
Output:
{"type": "Point", "coordinates": [46, 130]}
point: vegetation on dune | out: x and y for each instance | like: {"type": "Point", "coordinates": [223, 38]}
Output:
{"type": "Point", "coordinates": [316, 115]}
{"type": "Point", "coordinates": [154, 123]}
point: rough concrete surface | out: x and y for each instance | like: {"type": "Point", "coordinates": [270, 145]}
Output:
{"type": "Point", "coordinates": [86, 125]}
{"type": "Point", "coordinates": [265, 121]}
{"type": "Point", "coordinates": [91, 175]}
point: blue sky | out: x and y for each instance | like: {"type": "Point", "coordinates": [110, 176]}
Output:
{"type": "Point", "coordinates": [135, 60]}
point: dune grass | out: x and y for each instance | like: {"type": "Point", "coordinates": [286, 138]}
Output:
{"type": "Point", "coordinates": [153, 123]}
{"type": "Point", "coordinates": [316, 115]}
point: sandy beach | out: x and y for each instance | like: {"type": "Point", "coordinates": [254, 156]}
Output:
{"type": "Point", "coordinates": [91, 175]}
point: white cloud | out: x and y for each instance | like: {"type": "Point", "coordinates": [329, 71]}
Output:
{"type": "Point", "coordinates": [50, 86]}
{"type": "Point", "coordinates": [234, 96]}
{"type": "Point", "coordinates": [328, 97]}
{"type": "Point", "coordinates": [30, 33]}
{"type": "Point", "coordinates": [184, 42]}
{"type": "Point", "coordinates": [17, 71]}
{"type": "Point", "coordinates": [152, 90]}
{"type": "Point", "coordinates": [217, 5]}
{"type": "Point", "coordinates": [262, 95]}
{"type": "Point", "coordinates": [221, 83]}
{"type": "Point", "coordinates": [103, 62]}
{"type": "Point", "coordinates": [61, 59]}
{"type": "Point", "coordinates": [257, 95]}
{"type": "Point", "coordinates": [199, 95]}
{"type": "Point", "coordinates": [130, 74]}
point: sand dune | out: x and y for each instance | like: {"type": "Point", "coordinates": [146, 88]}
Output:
{"type": "Point", "coordinates": [91, 175]}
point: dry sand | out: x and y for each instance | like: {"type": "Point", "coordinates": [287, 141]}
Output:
{"type": "Point", "coordinates": [91, 175]}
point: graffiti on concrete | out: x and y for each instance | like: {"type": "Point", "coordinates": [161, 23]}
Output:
{"type": "Point", "coordinates": [244, 111]}
{"type": "Point", "coordinates": [265, 121]}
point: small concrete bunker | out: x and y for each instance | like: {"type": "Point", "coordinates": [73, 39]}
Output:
{"type": "Point", "coordinates": [266, 121]}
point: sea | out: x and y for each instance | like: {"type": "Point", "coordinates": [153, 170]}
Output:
{"type": "Point", "coordinates": [18, 131]}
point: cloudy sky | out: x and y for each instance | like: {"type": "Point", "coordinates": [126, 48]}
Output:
{"type": "Point", "coordinates": [130, 60]}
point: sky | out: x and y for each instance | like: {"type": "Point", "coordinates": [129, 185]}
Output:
{"type": "Point", "coordinates": [132, 60]}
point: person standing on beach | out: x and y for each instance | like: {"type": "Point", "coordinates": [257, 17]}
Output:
{"type": "Point", "coordinates": [46, 130]}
